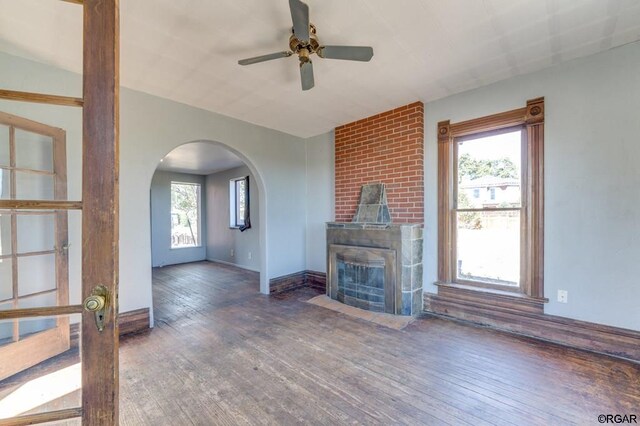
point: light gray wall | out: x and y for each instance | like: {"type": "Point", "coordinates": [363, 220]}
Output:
{"type": "Point", "coordinates": [150, 128]}
{"type": "Point", "coordinates": [161, 252]}
{"type": "Point", "coordinates": [320, 198]}
{"type": "Point", "coordinates": [592, 175]}
{"type": "Point", "coordinates": [221, 239]}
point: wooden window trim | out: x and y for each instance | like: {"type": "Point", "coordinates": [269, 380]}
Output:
{"type": "Point", "coordinates": [531, 120]}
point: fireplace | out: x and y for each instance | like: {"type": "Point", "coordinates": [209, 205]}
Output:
{"type": "Point", "coordinates": [373, 264]}
{"type": "Point", "coordinates": [364, 277]}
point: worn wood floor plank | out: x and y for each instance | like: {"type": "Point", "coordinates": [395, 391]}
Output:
{"type": "Point", "coordinates": [223, 354]}
{"type": "Point", "coordinates": [239, 357]}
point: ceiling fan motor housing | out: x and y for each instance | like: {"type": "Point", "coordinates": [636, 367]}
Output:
{"type": "Point", "coordinates": [302, 48]}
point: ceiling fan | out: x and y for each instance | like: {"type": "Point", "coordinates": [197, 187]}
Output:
{"type": "Point", "coordinates": [304, 42]}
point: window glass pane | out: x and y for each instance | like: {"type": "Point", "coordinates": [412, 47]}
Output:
{"type": "Point", "coordinates": [6, 278]}
{"type": "Point", "coordinates": [488, 247]}
{"type": "Point", "coordinates": [5, 234]}
{"type": "Point", "coordinates": [36, 274]}
{"type": "Point", "coordinates": [34, 325]}
{"type": "Point", "coordinates": [4, 145]}
{"type": "Point", "coordinates": [36, 232]}
{"type": "Point", "coordinates": [240, 201]}
{"type": "Point", "coordinates": [33, 151]}
{"type": "Point", "coordinates": [33, 186]}
{"type": "Point", "coordinates": [5, 184]}
{"type": "Point", "coordinates": [185, 207]}
{"type": "Point", "coordinates": [489, 171]}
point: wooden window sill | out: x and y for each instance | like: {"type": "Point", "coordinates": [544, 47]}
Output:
{"type": "Point", "coordinates": [491, 297]}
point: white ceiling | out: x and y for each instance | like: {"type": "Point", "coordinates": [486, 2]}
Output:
{"type": "Point", "coordinates": [187, 50]}
{"type": "Point", "coordinates": [201, 158]}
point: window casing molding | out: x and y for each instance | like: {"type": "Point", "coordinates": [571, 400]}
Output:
{"type": "Point", "coordinates": [234, 202]}
{"type": "Point", "coordinates": [198, 209]}
{"type": "Point", "coordinates": [531, 120]}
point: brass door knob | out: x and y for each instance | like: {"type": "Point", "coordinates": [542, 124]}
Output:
{"type": "Point", "coordinates": [97, 303]}
{"type": "Point", "coordinates": [94, 303]}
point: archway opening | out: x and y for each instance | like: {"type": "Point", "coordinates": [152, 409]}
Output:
{"type": "Point", "coordinates": [208, 203]}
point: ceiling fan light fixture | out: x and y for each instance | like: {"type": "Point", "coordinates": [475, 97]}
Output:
{"type": "Point", "coordinates": [304, 42]}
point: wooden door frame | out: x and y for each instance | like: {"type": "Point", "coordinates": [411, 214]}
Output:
{"type": "Point", "coordinates": [100, 201]}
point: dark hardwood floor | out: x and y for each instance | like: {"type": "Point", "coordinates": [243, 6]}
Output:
{"type": "Point", "coordinates": [223, 354]}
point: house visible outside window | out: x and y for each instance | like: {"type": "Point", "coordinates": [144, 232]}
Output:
{"type": "Point", "coordinates": [239, 203]}
{"type": "Point", "coordinates": [490, 239]}
{"type": "Point", "coordinates": [185, 215]}
{"type": "Point", "coordinates": [488, 235]}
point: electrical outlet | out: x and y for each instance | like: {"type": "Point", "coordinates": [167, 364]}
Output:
{"type": "Point", "coordinates": [232, 253]}
{"type": "Point", "coordinates": [563, 296]}
{"type": "Point", "coordinates": [249, 255]}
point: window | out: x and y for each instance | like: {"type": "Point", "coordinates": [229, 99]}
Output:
{"type": "Point", "coordinates": [239, 203]}
{"type": "Point", "coordinates": [487, 234]}
{"type": "Point", "coordinates": [185, 215]}
{"type": "Point", "coordinates": [489, 238]}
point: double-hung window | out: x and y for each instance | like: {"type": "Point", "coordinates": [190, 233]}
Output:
{"type": "Point", "coordinates": [185, 215]}
{"type": "Point", "coordinates": [491, 201]}
{"type": "Point", "coordinates": [239, 203]}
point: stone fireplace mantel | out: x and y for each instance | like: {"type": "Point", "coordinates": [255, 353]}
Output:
{"type": "Point", "coordinates": [393, 246]}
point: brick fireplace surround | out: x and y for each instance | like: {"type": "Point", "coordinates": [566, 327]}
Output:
{"type": "Point", "coordinates": [385, 148]}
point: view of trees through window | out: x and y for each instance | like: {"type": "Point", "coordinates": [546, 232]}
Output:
{"type": "Point", "coordinates": [488, 209]}
{"type": "Point", "coordinates": [185, 221]}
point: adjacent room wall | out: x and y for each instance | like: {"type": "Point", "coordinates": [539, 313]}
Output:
{"type": "Point", "coordinates": [161, 252]}
{"type": "Point", "coordinates": [592, 158]}
{"type": "Point", "coordinates": [221, 239]}
{"type": "Point", "coordinates": [150, 128]}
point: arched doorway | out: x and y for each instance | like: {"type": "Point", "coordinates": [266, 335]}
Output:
{"type": "Point", "coordinates": [212, 172]}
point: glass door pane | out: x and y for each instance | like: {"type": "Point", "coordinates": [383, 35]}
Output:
{"type": "Point", "coordinates": [33, 151]}
{"type": "Point", "coordinates": [33, 186]}
{"type": "Point", "coordinates": [5, 184]}
{"type": "Point", "coordinates": [4, 146]}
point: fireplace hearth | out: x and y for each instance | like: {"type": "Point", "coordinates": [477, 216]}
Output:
{"type": "Point", "coordinates": [373, 264]}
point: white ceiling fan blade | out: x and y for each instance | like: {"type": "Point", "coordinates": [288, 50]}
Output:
{"type": "Point", "coordinates": [306, 75]}
{"type": "Point", "coordinates": [348, 53]}
{"type": "Point", "coordinates": [269, 57]}
{"type": "Point", "coordinates": [300, 18]}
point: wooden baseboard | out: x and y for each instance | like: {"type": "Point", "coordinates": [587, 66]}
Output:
{"type": "Point", "coordinates": [603, 339]}
{"type": "Point", "coordinates": [297, 280]}
{"type": "Point", "coordinates": [316, 279]}
{"type": "Point", "coordinates": [134, 321]}
{"type": "Point", "coordinates": [130, 322]}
